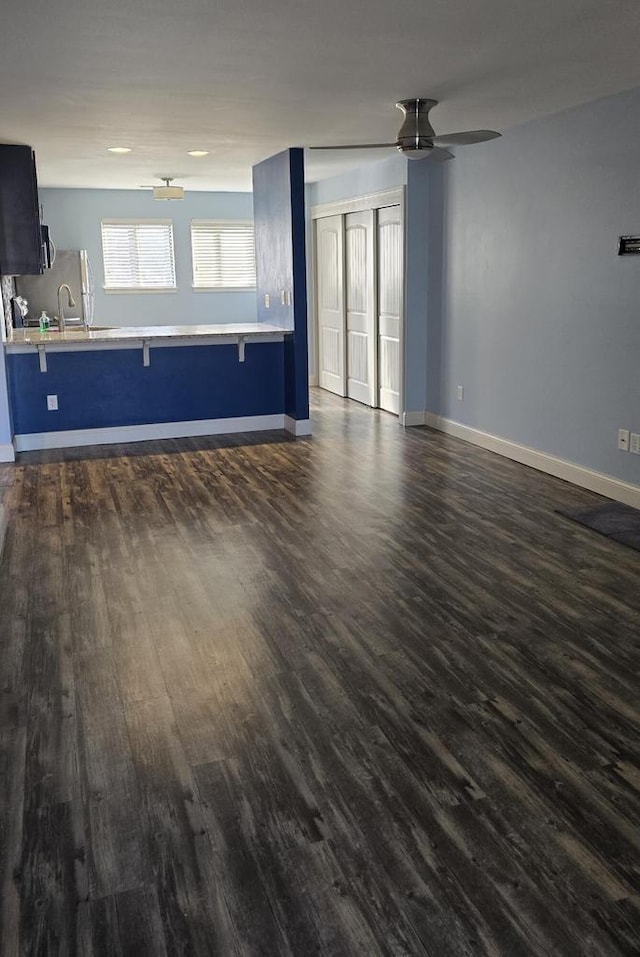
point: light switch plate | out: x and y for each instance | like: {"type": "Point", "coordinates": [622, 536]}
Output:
{"type": "Point", "coordinates": [635, 443]}
{"type": "Point", "coordinates": [623, 440]}
{"type": "Point", "coordinates": [52, 403]}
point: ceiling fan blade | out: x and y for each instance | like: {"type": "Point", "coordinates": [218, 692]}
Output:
{"type": "Point", "coordinates": [439, 155]}
{"type": "Point", "coordinates": [355, 146]}
{"type": "Point", "coordinates": [465, 139]}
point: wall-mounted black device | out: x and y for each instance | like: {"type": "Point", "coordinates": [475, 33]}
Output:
{"type": "Point", "coordinates": [629, 246]}
{"type": "Point", "coordinates": [46, 246]}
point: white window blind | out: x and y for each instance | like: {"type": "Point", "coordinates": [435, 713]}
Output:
{"type": "Point", "coordinates": [223, 255]}
{"type": "Point", "coordinates": [138, 255]}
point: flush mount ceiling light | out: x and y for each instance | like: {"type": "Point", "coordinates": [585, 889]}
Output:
{"type": "Point", "coordinates": [198, 152]}
{"type": "Point", "coordinates": [167, 191]}
{"type": "Point", "coordinates": [119, 149]}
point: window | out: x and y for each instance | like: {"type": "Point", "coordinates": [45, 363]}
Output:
{"type": "Point", "coordinates": [138, 255]}
{"type": "Point", "coordinates": [223, 256]}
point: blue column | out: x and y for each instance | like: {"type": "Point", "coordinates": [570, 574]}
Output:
{"type": "Point", "coordinates": [281, 287]}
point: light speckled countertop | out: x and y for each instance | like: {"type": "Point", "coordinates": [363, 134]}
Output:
{"type": "Point", "coordinates": [33, 337]}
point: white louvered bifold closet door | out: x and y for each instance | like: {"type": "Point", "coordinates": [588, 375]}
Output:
{"type": "Point", "coordinates": [360, 294]}
{"type": "Point", "coordinates": [390, 282]}
{"type": "Point", "coordinates": [330, 304]}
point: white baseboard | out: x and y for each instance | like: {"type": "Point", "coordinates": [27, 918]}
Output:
{"type": "Point", "coordinates": [313, 381]}
{"type": "Point", "coordinates": [142, 433]}
{"type": "Point", "coordinates": [577, 474]}
{"type": "Point", "coordinates": [3, 527]}
{"type": "Point", "coordinates": [7, 453]}
{"type": "Point", "coordinates": [414, 418]}
{"type": "Point", "coordinates": [297, 426]}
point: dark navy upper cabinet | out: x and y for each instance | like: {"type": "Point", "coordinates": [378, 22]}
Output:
{"type": "Point", "coordinates": [21, 250]}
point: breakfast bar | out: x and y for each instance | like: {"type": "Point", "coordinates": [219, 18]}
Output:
{"type": "Point", "coordinates": [106, 385]}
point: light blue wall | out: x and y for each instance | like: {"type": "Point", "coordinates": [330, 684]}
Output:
{"type": "Point", "coordinates": [540, 317]}
{"type": "Point", "coordinates": [371, 178]}
{"type": "Point", "coordinates": [74, 217]}
{"type": "Point", "coordinates": [416, 305]}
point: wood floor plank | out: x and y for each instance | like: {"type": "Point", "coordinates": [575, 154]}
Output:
{"type": "Point", "coordinates": [107, 790]}
{"type": "Point", "coordinates": [12, 770]}
{"type": "Point", "coordinates": [122, 925]}
{"type": "Point", "coordinates": [46, 881]}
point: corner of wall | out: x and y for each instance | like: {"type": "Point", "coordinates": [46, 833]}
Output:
{"type": "Point", "coordinates": [416, 305]}
{"type": "Point", "coordinates": [7, 287]}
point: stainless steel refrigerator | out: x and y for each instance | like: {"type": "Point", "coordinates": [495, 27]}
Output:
{"type": "Point", "coordinates": [41, 292]}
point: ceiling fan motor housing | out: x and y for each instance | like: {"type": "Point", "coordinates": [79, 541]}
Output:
{"type": "Point", "coordinates": [415, 137]}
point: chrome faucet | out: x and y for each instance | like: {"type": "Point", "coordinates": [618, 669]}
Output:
{"type": "Point", "coordinates": [70, 303]}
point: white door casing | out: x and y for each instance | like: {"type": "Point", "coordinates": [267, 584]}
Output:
{"type": "Point", "coordinates": [389, 307]}
{"type": "Point", "coordinates": [359, 306]}
{"type": "Point", "coordinates": [330, 304]}
{"type": "Point", "coordinates": [387, 378]}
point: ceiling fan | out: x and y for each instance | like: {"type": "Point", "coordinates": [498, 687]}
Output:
{"type": "Point", "coordinates": [167, 191]}
{"type": "Point", "coordinates": [417, 139]}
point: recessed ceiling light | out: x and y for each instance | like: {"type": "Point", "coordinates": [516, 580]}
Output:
{"type": "Point", "coordinates": [198, 152]}
{"type": "Point", "coordinates": [119, 149]}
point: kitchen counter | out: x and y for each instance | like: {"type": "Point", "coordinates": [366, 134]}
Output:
{"type": "Point", "coordinates": [136, 383]}
{"type": "Point", "coordinates": [133, 335]}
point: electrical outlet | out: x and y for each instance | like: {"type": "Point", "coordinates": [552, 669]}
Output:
{"type": "Point", "coordinates": [460, 392]}
{"type": "Point", "coordinates": [52, 403]}
{"type": "Point", "coordinates": [267, 301]}
{"type": "Point", "coordinates": [635, 443]}
{"type": "Point", "coordinates": [623, 440]}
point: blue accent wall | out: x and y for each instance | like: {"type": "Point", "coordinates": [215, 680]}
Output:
{"type": "Point", "coordinates": [297, 346]}
{"type": "Point", "coordinates": [74, 217]}
{"type": "Point", "coordinates": [105, 388]}
{"type": "Point", "coordinates": [279, 217]}
{"type": "Point", "coordinates": [540, 318]}
{"type": "Point", "coordinates": [6, 425]}
{"type": "Point", "coordinates": [273, 232]}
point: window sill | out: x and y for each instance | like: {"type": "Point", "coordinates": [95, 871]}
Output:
{"type": "Point", "coordinates": [223, 288]}
{"type": "Point", "coordinates": [139, 290]}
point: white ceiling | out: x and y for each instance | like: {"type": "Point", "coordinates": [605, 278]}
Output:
{"type": "Point", "coordinates": [248, 78]}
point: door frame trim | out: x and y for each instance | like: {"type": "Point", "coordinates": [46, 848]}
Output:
{"type": "Point", "coordinates": [358, 204]}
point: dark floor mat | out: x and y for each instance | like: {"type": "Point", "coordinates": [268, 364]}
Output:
{"type": "Point", "coordinates": [618, 522]}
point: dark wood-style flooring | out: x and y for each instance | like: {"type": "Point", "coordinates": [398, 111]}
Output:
{"type": "Point", "coordinates": [360, 695]}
